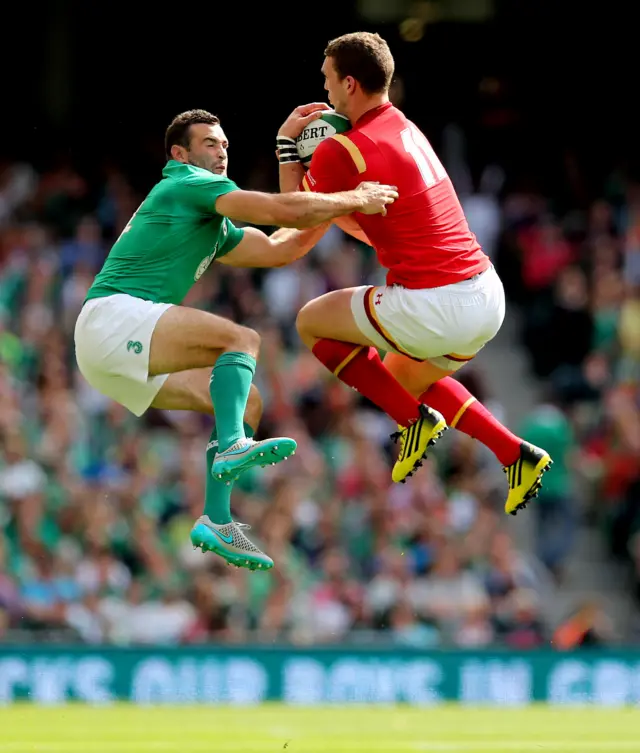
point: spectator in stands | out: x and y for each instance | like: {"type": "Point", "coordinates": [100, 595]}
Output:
{"type": "Point", "coordinates": [589, 626]}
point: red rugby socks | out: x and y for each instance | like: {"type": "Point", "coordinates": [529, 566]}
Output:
{"type": "Point", "coordinates": [463, 412]}
{"type": "Point", "coordinates": [360, 367]}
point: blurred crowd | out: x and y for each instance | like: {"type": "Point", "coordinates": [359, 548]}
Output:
{"type": "Point", "coordinates": [576, 278]}
{"type": "Point", "coordinates": [96, 505]}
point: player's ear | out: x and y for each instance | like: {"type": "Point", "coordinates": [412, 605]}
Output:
{"type": "Point", "coordinates": [351, 84]}
{"type": "Point", "coordinates": [179, 153]}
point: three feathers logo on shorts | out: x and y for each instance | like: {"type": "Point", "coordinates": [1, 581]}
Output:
{"type": "Point", "coordinates": [135, 346]}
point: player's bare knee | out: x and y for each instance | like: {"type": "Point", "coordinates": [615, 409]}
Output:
{"type": "Point", "coordinates": [305, 328]}
{"type": "Point", "coordinates": [301, 321]}
{"type": "Point", "coordinates": [306, 321]}
{"type": "Point", "coordinates": [245, 340]}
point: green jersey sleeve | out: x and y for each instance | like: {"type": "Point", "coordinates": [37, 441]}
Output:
{"type": "Point", "coordinates": [201, 191]}
{"type": "Point", "coordinates": [233, 236]}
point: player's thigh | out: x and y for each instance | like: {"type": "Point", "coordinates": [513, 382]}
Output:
{"type": "Point", "coordinates": [414, 376]}
{"type": "Point", "coordinates": [189, 390]}
{"type": "Point", "coordinates": [186, 338]}
{"type": "Point", "coordinates": [331, 316]}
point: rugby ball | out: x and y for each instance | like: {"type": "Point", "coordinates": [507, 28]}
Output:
{"type": "Point", "coordinates": [328, 124]}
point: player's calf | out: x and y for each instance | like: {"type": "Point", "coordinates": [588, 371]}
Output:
{"type": "Point", "coordinates": [524, 464]}
{"type": "Point", "coordinates": [230, 384]}
{"type": "Point", "coordinates": [329, 327]}
{"type": "Point", "coordinates": [189, 390]}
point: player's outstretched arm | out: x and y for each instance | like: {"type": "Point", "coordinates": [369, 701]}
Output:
{"type": "Point", "coordinates": [303, 210]}
{"type": "Point", "coordinates": [256, 249]}
{"type": "Point", "coordinates": [290, 176]}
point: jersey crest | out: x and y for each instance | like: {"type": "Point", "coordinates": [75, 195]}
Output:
{"type": "Point", "coordinates": [205, 264]}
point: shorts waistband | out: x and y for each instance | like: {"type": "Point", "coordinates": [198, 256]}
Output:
{"type": "Point", "coordinates": [466, 279]}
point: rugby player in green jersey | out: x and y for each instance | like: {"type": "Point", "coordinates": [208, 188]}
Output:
{"type": "Point", "coordinates": [138, 345]}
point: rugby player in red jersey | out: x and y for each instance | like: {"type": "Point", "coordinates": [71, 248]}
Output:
{"type": "Point", "coordinates": [443, 300]}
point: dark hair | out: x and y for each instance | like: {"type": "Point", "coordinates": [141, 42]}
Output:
{"type": "Point", "coordinates": [364, 56]}
{"type": "Point", "coordinates": [178, 130]}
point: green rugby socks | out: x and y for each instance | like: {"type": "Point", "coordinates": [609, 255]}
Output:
{"type": "Point", "coordinates": [229, 386]}
{"type": "Point", "coordinates": [217, 499]}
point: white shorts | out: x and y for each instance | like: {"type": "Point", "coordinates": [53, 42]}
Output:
{"type": "Point", "coordinates": [446, 326]}
{"type": "Point", "coordinates": [113, 340]}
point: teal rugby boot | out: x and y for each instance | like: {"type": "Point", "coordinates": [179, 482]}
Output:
{"type": "Point", "coordinates": [229, 542]}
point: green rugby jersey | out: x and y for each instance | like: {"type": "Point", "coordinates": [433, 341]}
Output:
{"type": "Point", "coordinates": [171, 239]}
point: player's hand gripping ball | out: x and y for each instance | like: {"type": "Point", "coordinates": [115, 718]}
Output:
{"type": "Point", "coordinates": [328, 124]}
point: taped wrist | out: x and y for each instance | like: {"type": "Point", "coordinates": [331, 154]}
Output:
{"type": "Point", "coordinates": [286, 149]}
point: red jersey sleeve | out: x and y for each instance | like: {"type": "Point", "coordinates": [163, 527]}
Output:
{"type": "Point", "coordinates": [332, 169]}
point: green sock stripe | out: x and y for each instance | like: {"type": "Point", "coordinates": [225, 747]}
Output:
{"type": "Point", "coordinates": [236, 359]}
{"type": "Point", "coordinates": [230, 387]}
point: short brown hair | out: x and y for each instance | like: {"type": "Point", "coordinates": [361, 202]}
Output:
{"type": "Point", "coordinates": [364, 56]}
{"type": "Point", "coordinates": [178, 130]}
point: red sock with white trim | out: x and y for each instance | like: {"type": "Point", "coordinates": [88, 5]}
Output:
{"type": "Point", "coordinates": [360, 367]}
{"type": "Point", "coordinates": [463, 412]}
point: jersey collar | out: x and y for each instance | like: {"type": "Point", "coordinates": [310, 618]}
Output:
{"type": "Point", "coordinates": [369, 115]}
{"type": "Point", "coordinates": [171, 165]}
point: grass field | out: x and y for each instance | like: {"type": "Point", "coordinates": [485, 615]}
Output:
{"type": "Point", "coordinates": [129, 729]}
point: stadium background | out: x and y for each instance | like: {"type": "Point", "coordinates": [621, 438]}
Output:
{"type": "Point", "coordinates": [530, 109]}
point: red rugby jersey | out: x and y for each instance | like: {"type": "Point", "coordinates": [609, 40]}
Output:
{"type": "Point", "coordinates": [424, 240]}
